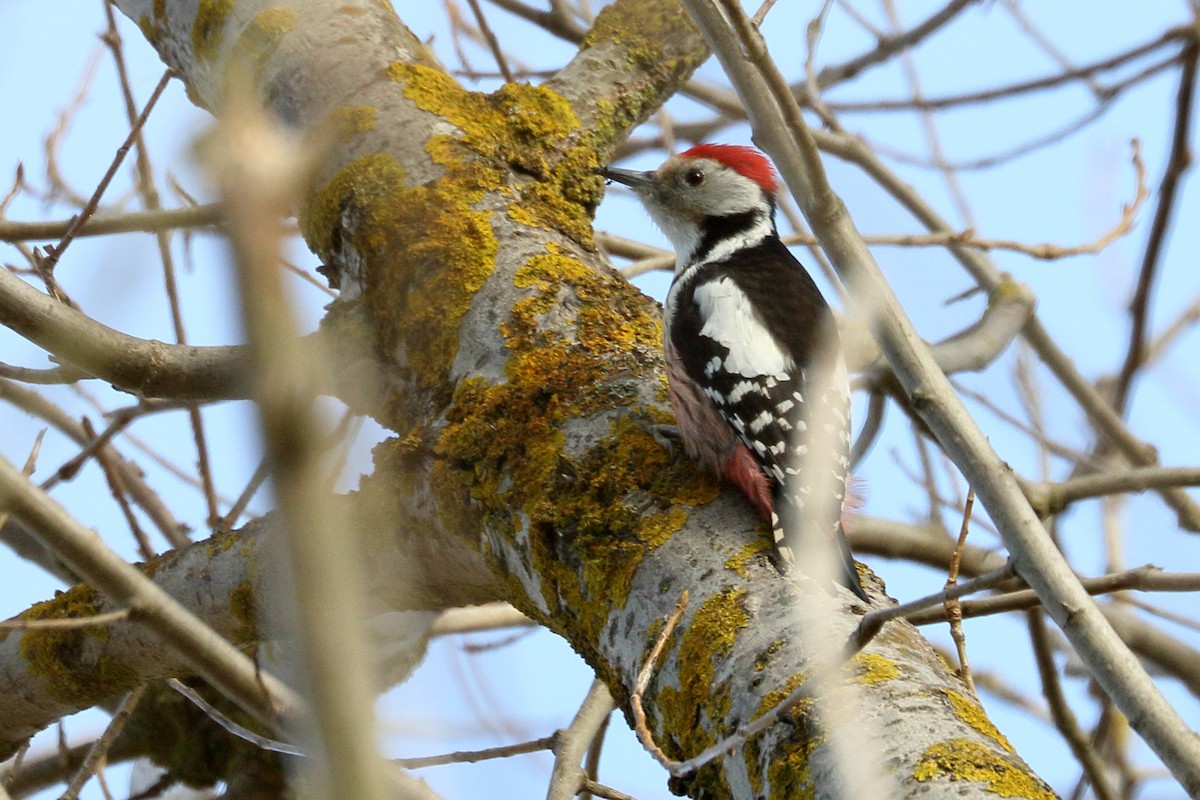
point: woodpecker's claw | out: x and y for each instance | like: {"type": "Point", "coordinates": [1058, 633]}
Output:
{"type": "Point", "coordinates": [666, 435]}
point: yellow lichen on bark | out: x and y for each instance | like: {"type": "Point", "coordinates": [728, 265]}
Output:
{"type": "Point", "coordinates": [966, 760]}
{"type": "Point", "coordinates": [61, 657]}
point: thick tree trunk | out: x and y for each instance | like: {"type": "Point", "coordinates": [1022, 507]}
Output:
{"type": "Point", "coordinates": [523, 379]}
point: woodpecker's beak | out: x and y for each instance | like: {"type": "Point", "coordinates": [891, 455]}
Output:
{"type": "Point", "coordinates": [632, 179]}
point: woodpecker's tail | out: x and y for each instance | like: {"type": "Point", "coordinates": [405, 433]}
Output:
{"type": "Point", "coordinates": [846, 573]}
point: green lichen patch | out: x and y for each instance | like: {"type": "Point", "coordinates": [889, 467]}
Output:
{"type": "Point", "coordinates": [522, 129]}
{"type": "Point", "coordinates": [788, 773]}
{"type": "Point", "coordinates": [642, 34]}
{"type": "Point", "coordinates": [965, 760]}
{"type": "Point", "coordinates": [65, 658]}
{"type": "Point", "coordinates": [208, 26]}
{"type": "Point", "coordinates": [350, 121]}
{"type": "Point", "coordinates": [261, 38]}
{"type": "Point", "coordinates": [874, 668]}
{"type": "Point", "coordinates": [425, 253]}
{"type": "Point", "coordinates": [244, 609]}
{"type": "Point", "coordinates": [970, 712]}
{"type": "Point", "coordinates": [738, 561]}
{"type": "Point", "coordinates": [575, 341]}
{"type": "Point", "coordinates": [697, 711]}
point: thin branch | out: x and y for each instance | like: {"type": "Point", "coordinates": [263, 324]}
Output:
{"type": "Point", "coordinates": [96, 755]}
{"type": "Point", "coordinates": [1051, 498]}
{"type": "Point", "coordinates": [568, 778]}
{"type": "Point", "coordinates": [475, 756]}
{"type": "Point", "coordinates": [261, 473]}
{"type": "Point", "coordinates": [478, 618]}
{"type": "Point", "coordinates": [1181, 33]}
{"type": "Point", "coordinates": [105, 224]}
{"type": "Point", "coordinates": [1060, 710]}
{"type": "Point", "coordinates": [1147, 578]}
{"type": "Point", "coordinates": [873, 621]}
{"type": "Point", "coordinates": [55, 253]}
{"type": "Point", "coordinates": [150, 198]}
{"type": "Point", "coordinates": [952, 606]}
{"type": "Point", "coordinates": [890, 45]}
{"type": "Point", "coordinates": [131, 475]}
{"type": "Point", "coordinates": [490, 37]}
{"type": "Point", "coordinates": [67, 624]}
{"type": "Point", "coordinates": [607, 792]}
{"type": "Point", "coordinates": [1177, 163]}
{"type": "Point", "coordinates": [240, 731]}
{"type": "Point", "coordinates": [643, 680]}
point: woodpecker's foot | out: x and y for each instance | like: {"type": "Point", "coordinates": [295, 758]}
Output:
{"type": "Point", "coordinates": [666, 435]}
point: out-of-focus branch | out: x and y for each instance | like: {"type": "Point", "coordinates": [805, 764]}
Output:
{"type": "Point", "coordinates": [260, 171]}
{"type": "Point", "coordinates": [1051, 498]}
{"type": "Point", "coordinates": [107, 224]}
{"type": "Point", "coordinates": [782, 131]}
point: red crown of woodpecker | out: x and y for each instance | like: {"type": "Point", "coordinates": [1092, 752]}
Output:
{"type": "Point", "coordinates": [746, 161]}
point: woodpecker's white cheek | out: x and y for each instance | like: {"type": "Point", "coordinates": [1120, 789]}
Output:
{"type": "Point", "coordinates": [683, 233]}
{"type": "Point", "coordinates": [729, 319]}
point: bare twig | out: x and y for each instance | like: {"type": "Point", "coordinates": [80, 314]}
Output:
{"type": "Point", "coordinates": [568, 778]}
{"type": "Point", "coordinates": [95, 757]}
{"type": "Point", "coordinates": [146, 367]}
{"type": "Point", "coordinates": [149, 501]}
{"type": "Point", "coordinates": [1051, 498]}
{"type": "Point", "coordinates": [643, 680]}
{"type": "Point", "coordinates": [261, 473]}
{"type": "Point", "coordinates": [1178, 162]}
{"type": "Point", "coordinates": [52, 624]}
{"type": "Point", "coordinates": [478, 618]}
{"type": "Point", "coordinates": [951, 606]}
{"type": "Point", "coordinates": [607, 792]}
{"type": "Point", "coordinates": [475, 756]}
{"type": "Point", "coordinates": [1147, 578]}
{"type": "Point", "coordinates": [1060, 710]}
{"type": "Point", "coordinates": [490, 38]}
{"type": "Point", "coordinates": [55, 253]}
{"type": "Point", "coordinates": [240, 731]}
{"type": "Point", "coordinates": [150, 198]}
{"type": "Point", "coordinates": [873, 620]}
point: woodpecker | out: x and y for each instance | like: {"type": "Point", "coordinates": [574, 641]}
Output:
{"type": "Point", "coordinates": [753, 357]}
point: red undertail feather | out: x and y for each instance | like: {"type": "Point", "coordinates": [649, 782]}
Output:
{"type": "Point", "coordinates": [746, 161]}
{"type": "Point", "coordinates": [747, 474]}
{"type": "Point", "coordinates": [744, 472]}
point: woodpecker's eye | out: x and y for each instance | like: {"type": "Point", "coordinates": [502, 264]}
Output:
{"type": "Point", "coordinates": [694, 177]}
